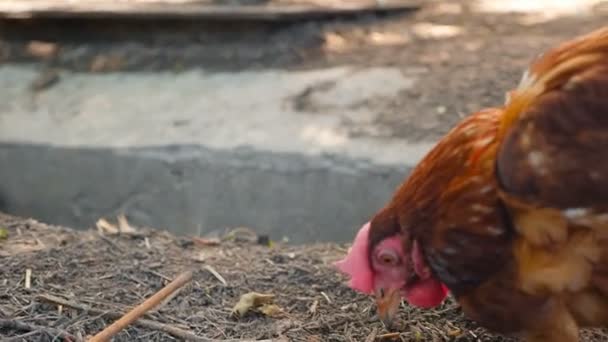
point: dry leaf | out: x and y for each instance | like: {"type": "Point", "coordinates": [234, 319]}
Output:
{"type": "Point", "coordinates": [3, 233]}
{"type": "Point", "coordinates": [124, 226]}
{"type": "Point", "coordinates": [250, 301]}
{"type": "Point", "coordinates": [272, 310]}
{"type": "Point", "coordinates": [105, 227]}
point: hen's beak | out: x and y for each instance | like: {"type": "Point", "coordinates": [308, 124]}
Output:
{"type": "Point", "coordinates": [388, 301]}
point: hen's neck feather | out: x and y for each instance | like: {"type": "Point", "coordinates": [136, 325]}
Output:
{"type": "Point", "coordinates": [464, 153]}
{"type": "Point", "coordinates": [450, 205]}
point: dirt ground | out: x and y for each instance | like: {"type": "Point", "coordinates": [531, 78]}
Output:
{"type": "Point", "coordinates": [81, 281]}
{"type": "Point", "coordinates": [465, 59]}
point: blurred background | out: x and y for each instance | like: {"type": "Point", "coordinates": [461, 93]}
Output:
{"type": "Point", "coordinates": [296, 118]}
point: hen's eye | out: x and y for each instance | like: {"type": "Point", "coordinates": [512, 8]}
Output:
{"type": "Point", "coordinates": [388, 258]}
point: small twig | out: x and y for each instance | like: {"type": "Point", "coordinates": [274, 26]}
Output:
{"type": "Point", "coordinates": [140, 310]}
{"type": "Point", "coordinates": [392, 335]}
{"type": "Point", "coordinates": [216, 274]}
{"type": "Point", "coordinates": [11, 324]}
{"type": "Point", "coordinates": [28, 278]}
{"type": "Point", "coordinates": [326, 297]}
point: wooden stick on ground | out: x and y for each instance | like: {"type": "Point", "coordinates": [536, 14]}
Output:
{"type": "Point", "coordinates": [141, 309]}
{"type": "Point", "coordinates": [144, 323]}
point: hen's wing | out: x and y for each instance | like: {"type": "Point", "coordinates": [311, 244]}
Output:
{"type": "Point", "coordinates": [552, 169]}
{"type": "Point", "coordinates": [555, 131]}
{"type": "Point", "coordinates": [553, 139]}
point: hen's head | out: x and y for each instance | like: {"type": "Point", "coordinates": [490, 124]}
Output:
{"type": "Point", "coordinates": [391, 254]}
{"type": "Point", "coordinates": [384, 262]}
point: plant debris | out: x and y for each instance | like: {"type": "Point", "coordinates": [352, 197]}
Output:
{"type": "Point", "coordinates": [250, 301]}
{"type": "Point", "coordinates": [272, 310]}
{"type": "Point", "coordinates": [3, 233]}
{"type": "Point", "coordinates": [122, 226]}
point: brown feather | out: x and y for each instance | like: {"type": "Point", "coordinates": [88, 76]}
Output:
{"type": "Point", "coordinates": [554, 182]}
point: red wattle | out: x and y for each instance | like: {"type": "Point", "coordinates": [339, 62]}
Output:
{"type": "Point", "coordinates": [427, 293]}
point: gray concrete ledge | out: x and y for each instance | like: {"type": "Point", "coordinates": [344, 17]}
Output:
{"type": "Point", "coordinates": [192, 189]}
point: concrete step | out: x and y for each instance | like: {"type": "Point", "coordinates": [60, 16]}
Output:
{"type": "Point", "coordinates": [195, 152]}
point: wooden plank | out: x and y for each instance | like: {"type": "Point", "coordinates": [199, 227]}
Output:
{"type": "Point", "coordinates": [62, 9]}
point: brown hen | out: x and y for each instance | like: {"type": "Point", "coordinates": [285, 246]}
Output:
{"type": "Point", "coordinates": [509, 210]}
